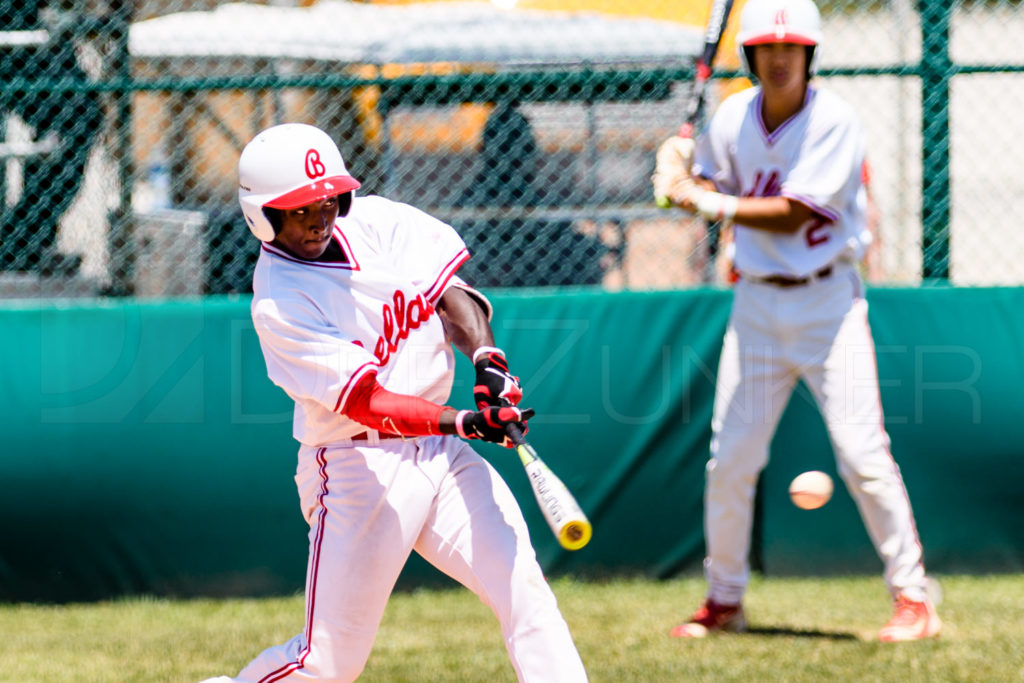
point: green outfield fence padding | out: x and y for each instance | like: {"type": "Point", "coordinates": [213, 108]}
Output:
{"type": "Point", "coordinates": [145, 451]}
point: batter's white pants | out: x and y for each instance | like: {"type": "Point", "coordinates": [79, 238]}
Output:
{"type": "Point", "coordinates": [367, 509]}
{"type": "Point", "coordinates": [776, 336]}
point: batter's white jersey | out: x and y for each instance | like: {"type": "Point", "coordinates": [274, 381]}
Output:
{"type": "Point", "coordinates": [323, 325]}
{"type": "Point", "coordinates": [815, 157]}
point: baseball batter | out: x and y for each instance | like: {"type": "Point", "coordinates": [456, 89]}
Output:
{"type": "Point", "coordinates": [783, 162]}
{"type": "Point", "coordinates": [357, 303]}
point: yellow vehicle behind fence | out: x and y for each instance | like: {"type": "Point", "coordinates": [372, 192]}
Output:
{"type": "Point", "coordinates": [439, 100]}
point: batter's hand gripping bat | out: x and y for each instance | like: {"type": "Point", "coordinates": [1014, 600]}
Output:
{"type": "Point", "coordinates": [682, 144]}
{"type": "Point", "coordinates": [562, 512]}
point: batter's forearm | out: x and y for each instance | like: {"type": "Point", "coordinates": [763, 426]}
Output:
{"type": "Point", "coordinates": [464, 321]}
{"type": "Point", "coordinates": [447, 421]}
{"type": "Point", "coordinates": [372, 405]}
{"type": "Point", "coordinates": [772, 214]}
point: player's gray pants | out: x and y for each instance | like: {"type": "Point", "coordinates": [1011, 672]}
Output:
{"type": "Point", "coordinates": [776, 336]}
{"type": "Point", "coordinates": [368, 508]}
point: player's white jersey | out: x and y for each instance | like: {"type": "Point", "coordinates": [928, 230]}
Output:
{"type": "Point", "coordinates": [815, 157]}
{"type": "Point", "coordinates": [323, 325]}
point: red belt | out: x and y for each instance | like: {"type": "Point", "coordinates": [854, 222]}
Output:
{"type": "Point", "coordinates": [789, 281]}
{"type": "Point", "coordinates": [365, 436]}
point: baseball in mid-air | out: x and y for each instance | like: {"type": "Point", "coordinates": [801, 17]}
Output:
{"type": "Point", "coordinates": [811, 490]}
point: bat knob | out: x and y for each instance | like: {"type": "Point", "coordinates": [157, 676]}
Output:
{"type": "Point", "coordinates": [575, 535]}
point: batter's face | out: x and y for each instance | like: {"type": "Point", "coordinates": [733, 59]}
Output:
{"type": "Point", "coordinates": [306, 231]}
{"type": "Point", "coordinates": [781, 66]}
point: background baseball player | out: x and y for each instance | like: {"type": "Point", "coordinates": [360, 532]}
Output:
{"type": "Point", "coordinates": [356, 304]}
{"type": "Point", "coordinates": [783, 161]}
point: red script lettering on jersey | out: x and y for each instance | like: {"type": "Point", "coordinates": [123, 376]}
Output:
{"type": "Point", "coordinates": [765, 185]}
{"type": "Point", "coordinates": [400, 319]}
{"type": "Point", "coordinates": [314, 167]}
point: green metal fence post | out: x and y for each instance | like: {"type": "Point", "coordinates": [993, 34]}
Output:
{"type": "Point", "coordinates": [936, 72]}
{"type": "Point", "coordinates": [119, 239]}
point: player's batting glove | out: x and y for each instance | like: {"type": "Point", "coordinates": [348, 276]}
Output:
{"type": "Point", "coordinates": [489, 424]}
{"type": "Point", "coordinates": [495, 386]}
{"type": "Point", "coordinates": [672, 164]}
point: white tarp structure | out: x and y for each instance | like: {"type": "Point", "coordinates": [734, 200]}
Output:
{"type": "Point", "coordinates": [333, 30]}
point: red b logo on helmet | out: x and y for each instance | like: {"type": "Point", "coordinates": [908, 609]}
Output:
{"type": "Point", "coordinates": [314, 167]}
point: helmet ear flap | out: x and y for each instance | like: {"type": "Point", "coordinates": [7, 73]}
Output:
{"type": "Point", "coordinates": [747, 59]}
{"type": "Point", "coordinates": [275, 217]}
{"type": "Point", "coordinates": [812, 56]}
{"type": "Point", "coordinates": [345, 203]}
{"type": "Point", "coordinates": [259, 224]}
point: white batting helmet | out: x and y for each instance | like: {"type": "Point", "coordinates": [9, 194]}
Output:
{"type": "Point", "coordinates": [285, 167]}
{"type": "Point", "coordinates": [780, 21]}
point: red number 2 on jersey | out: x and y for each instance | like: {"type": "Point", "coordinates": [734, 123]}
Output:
{"type": "Point", "coordinates": [816, 232]}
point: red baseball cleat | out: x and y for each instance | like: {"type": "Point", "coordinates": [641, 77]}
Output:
{"type": "Point", "coordinates": [711, 617]}
{"type": "Point", "coordinates": [911, 620]}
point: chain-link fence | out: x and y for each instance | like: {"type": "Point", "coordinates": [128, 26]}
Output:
{"type": "Point", "coordinates": [531, 127]}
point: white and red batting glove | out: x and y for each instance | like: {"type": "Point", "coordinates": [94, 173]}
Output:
{"type": "Point", "coordinates": [674, 184]}
{"type": "Point", "coordinates": [672, 165]}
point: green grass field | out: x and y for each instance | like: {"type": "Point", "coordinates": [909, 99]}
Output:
{"type": "Point", "coordinates": [801, 630]}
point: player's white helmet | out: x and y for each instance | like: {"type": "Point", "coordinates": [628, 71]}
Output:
{"type": "Point", "coordinates": [288, 166]}
{"type": "Point", "coordinates": [780, 21]}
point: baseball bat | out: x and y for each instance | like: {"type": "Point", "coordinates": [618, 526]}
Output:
{"type": "Point", "coordinates": [561, 511]}
{"type": "Point", "coordinates": [720, 10]}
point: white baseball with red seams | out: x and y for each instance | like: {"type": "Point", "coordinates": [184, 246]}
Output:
{"type": "Point", "coordinates": [810, 490]}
